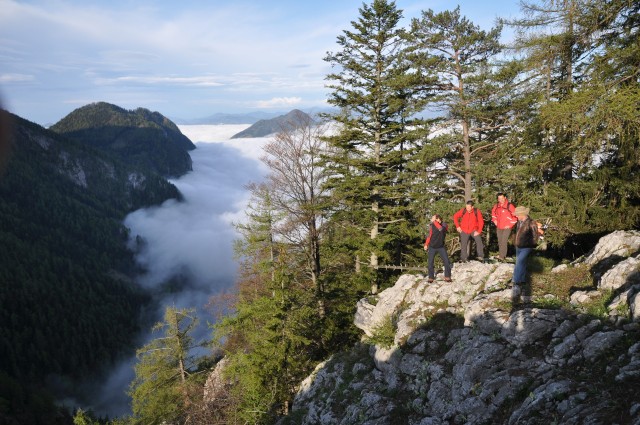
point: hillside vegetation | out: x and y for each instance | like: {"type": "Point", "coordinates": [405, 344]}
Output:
{"type": "Point", "coordinates": [68, 309]}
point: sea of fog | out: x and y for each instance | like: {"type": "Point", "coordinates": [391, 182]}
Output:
{"type": "Point", "coordinates": [191, 240]}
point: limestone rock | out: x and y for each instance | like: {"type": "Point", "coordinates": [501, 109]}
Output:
{"type": "Point", "coordinates": [619, 244]}
{"type": "Point", "coordinates": [465, 353]}
{"type": "Point", "coordinates": [624, 274]}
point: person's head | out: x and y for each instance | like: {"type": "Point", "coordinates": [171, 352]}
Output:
{"type": "Point", "coordinates": [522, 213]}
{"type": "Point", "coordinates": [436, 217]}
{"type": "Point", "coordinates": [469, 205]}
{"type": "Point", "coordinates": [502, 197]}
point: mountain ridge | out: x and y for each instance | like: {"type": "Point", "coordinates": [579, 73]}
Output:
{"type": "Point", "coordinates": [221, 118]}
{"type": "Point", "coordinates": [263, 128]}
{"type": "Point", "coordinates": [139, 137]}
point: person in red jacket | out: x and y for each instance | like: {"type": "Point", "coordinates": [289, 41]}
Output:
{"type": "Point", "coordinates": [469, 223]}
{"type": "Point", "coordinates": [503, 216]}
{"type": "Point", "coordinates": [435, 245]}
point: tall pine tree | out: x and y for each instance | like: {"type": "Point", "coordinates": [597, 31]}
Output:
{"type": "Point", "coordinates": [373, 88]}
{"type": "Point", "coordinates": [472, 95]}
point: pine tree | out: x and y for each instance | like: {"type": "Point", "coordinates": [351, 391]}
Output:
{"type": "Point", "coordinates": [472, 94]}
{"type": "Point", "coordinates": [162, 391]}
{"type": "Point", "coordinates": [556, 43]}
{"type": "Point", "coordinates": [580, 150]}
{"type": "Point", "coordinates": [374, 89]}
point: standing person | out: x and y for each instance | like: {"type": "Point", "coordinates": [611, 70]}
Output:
{"type": "Point", "coordinates": [435, 244]}
{"type": "Point", "coordinates": [528, 232]}
{"type": "Point", "coordinates": [469, 223]}
{"type": "Point", "coordinates": [502, 215]}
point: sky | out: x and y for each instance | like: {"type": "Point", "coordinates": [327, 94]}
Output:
{"type": "Point", "coordinates": [185, 59]}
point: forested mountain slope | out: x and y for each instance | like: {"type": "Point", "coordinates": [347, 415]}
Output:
{"type": "Point", "coordinates": [67, 308]}
{"type": "Point", "coordinates": [139, 137]}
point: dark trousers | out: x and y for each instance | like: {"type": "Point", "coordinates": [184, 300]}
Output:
{"type": "Point", "coordinates": [445, 259]}
{"type": "Point", "coordinates": [464, 245]}
{"type": "Point", "coordinates": [503, 241]}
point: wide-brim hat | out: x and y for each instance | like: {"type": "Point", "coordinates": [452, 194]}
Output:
{"type": "Point", "coordinates": [521, 211]}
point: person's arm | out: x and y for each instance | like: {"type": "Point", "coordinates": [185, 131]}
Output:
{"type": "Point", "coordinates": [456, 220]}
{"type": "Point", "coordinates": [426, 242]}
{"type": "Point", "coordinates": [512, 218]}
{"type": "Point", "coordinates": [479, 222]}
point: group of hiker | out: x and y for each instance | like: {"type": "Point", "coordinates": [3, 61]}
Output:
{"type": "Point", "coordinates": [469, 223]}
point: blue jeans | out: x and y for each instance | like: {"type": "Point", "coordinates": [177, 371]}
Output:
{"type": "Point", "coordinates": [520, 271]}
{"type": "Point", "coordinates": [445, 259]}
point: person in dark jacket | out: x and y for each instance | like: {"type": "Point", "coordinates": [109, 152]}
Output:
{"type": "Point", "coordinates": [469, 223]}
{"type": "Point", "coordinates": [435, 245]}
{"type": "Point", "coordinates": [528, 232]}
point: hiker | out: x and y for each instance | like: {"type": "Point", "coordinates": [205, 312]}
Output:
{"type": "Point", "coordinates": [528, 232]}
{"type": "Point", "coordinates": [435, 244]}
{"type": "Point", "coordinates": [469, 223]}
{"type": "Point", "coordinates": [502, 215]}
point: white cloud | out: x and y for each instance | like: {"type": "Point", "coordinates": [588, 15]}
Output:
{"type": "Point", "coordinates": [278, 102]}
{"type": "Point", "coordinates": [15, 78]}
{"type": "Point", "coordinates": [202, 81]}
{"type": "Point", "coordinates": [193, 238]}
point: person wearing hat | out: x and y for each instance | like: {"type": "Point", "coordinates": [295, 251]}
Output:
{"type": "Point", "coordinates": [502, 215]}
{"type": "Point", "coordinates": [469, 223]}
{"type": "Point", "coordinates": [528, 232]}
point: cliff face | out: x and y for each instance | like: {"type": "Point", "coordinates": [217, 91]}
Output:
{"type": "Point", "coordinates": [476, 351]}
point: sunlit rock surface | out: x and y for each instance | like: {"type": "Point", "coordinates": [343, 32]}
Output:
{"type": "Point", "coordinates": [465, 353]}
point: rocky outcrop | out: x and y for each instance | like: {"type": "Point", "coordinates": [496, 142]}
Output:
{"type": "Point", "coordinates": [472, 352]}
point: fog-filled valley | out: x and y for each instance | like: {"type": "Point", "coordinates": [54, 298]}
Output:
{"type": "Point", "coordinates": [188, 243]}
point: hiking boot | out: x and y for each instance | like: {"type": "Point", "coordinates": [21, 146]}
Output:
{"type": "Point", "coordinates": [430, 280]}
{"type": "Point", "coordinates": [447, 279]}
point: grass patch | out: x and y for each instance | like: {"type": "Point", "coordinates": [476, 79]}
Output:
{"type": "Point", "coordinates": [503, 304]}
{"type": "Point", "coordinates": [443, 322]}
{"type": "Point", "coordinates": [597, 306]}
{"type": "Point", "coordinates": [384, 333]}
{"type": "Point", "coordinates": [372, 299]}
{"type": "Point", "coordinates": [560, 285]}
{"type": "Point", "coordinates": [537, 264]}
{"type": "Point", "coordinates": [551, 303]}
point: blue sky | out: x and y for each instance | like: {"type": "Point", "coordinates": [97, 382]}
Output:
{"type": "Point", "coordinates": [185, 59]}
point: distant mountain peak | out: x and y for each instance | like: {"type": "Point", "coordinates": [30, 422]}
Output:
{"type": "Point", "coordinates": [264, 128]}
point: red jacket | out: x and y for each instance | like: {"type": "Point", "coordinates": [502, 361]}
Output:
{"type": "Point", "coordinates": [469, 222]}
{"type": "Point", "coordinates": [503, 215]}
